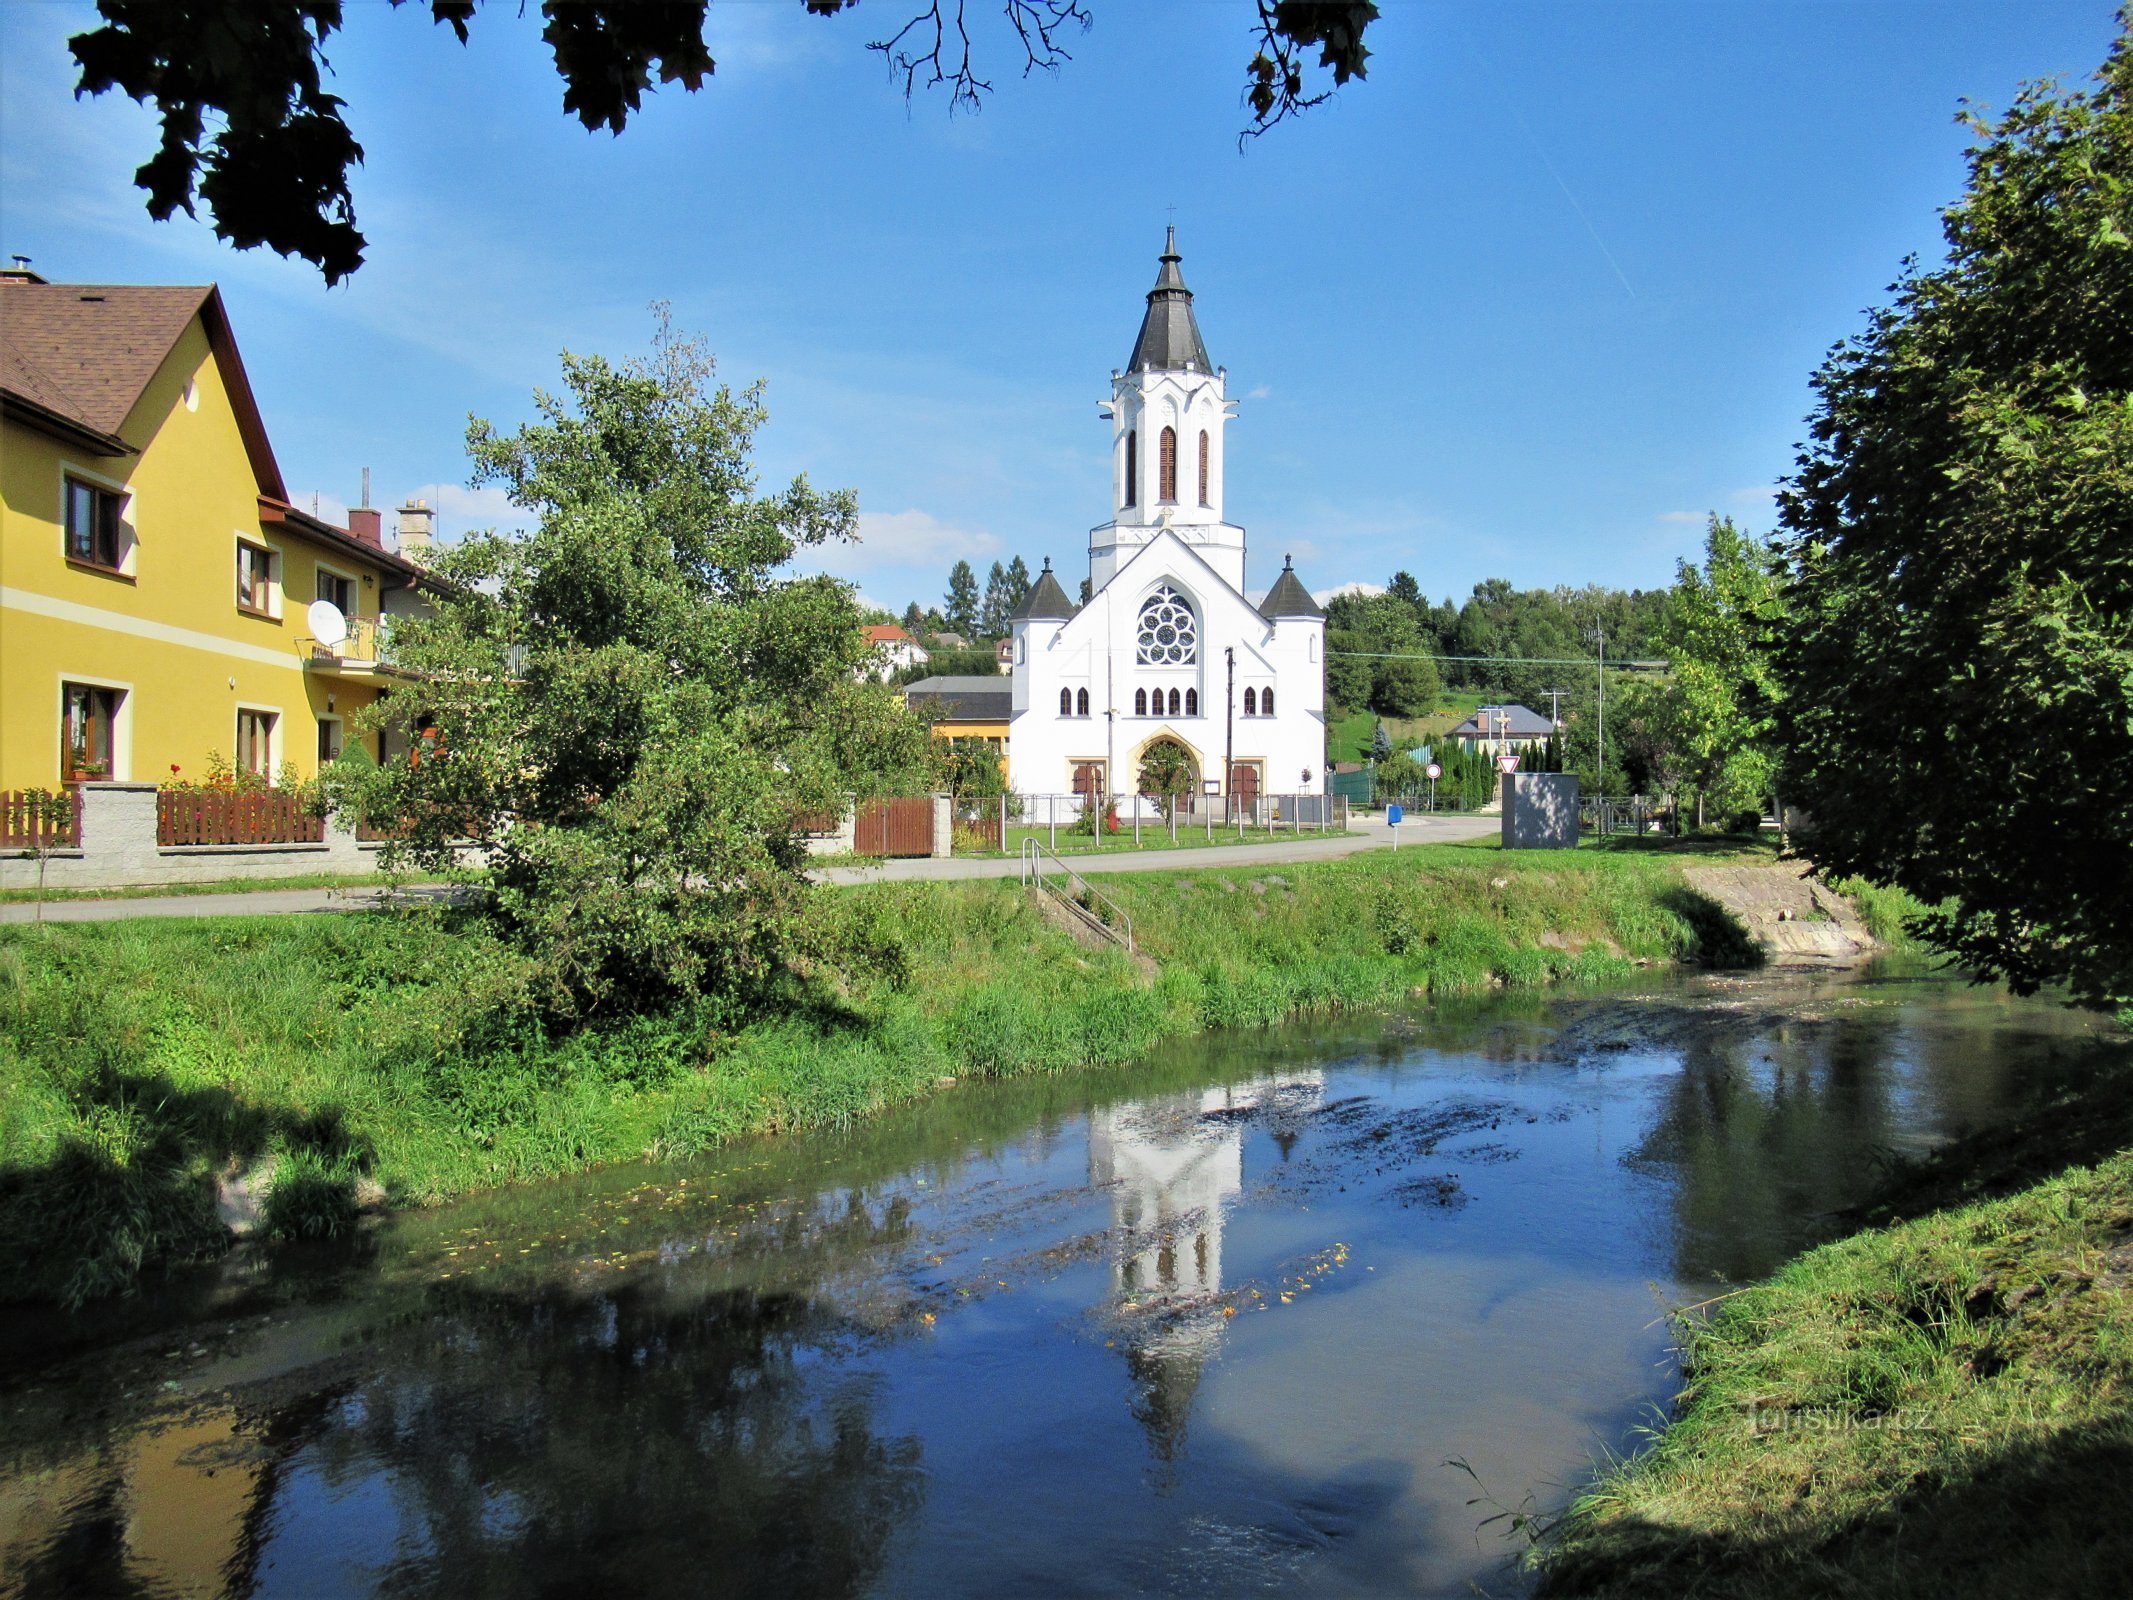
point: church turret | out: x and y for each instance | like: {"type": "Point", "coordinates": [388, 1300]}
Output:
{"type": "Point", "coordinates": [1167, 413]}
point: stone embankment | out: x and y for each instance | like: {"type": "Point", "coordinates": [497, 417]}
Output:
{"type": "Point", "coordinates": [1796, 918]}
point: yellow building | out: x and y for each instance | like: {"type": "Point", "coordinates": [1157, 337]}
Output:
{"type": "Point", "coordinates": [157, 589]}
{"type": "Point", "coordinates": [965, 708]}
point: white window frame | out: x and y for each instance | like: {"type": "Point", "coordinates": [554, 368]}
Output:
{"type": "Point", "coordinates": [276, 737]}
{"type": "Point", "coordinates": [129, 540]}
{"type": "Point", "coordinates": [276, 565]}
{"type": "Point", "coordinates": [121, 725]}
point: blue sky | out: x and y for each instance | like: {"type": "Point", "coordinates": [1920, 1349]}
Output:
{"type": "Point", "coordinates": [1528, 303]}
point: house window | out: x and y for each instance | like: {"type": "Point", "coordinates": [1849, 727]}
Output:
{"type": "Point", "coordinates": [255, 742]}
{"type": "Point", "coordinates": [88, 721]}
{"type": "Point", "coordinates": [1203, 468]}
{"type": "Point", "coordinates": [1169, 635]}
{"type": "Point", "coordinates": [1140, 702]}
{"type": "Point", "coordinates": [255, 578]}
{"type": "Point", "coordinates": [1133, 465]}
{"type": "Point", "coordinates": [1167, 467]}
{"type": "Point", "coordinates": [92, 525]}
{"type": "Point", "coordinates": [1192, 702]}
{"type": "Point", "coordinates": [1266, 701]}
{"type": "Point", "coordinates": [1081, 702]}
{"type": "Point", "coordinates": [1066, 702]}
{"type": "Point", "coordinates": [329, 740]}
{"type": "Point", "coordinates": [337, 590]}
{"type": "Point", "coordinates": [1251, 702]}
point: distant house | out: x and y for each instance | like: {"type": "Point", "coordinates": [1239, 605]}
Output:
{"type": "Point", "coordinates": [1498, 728]}
{"type": "Point", "coordinates": [893, 650]}
{"type": "Point", "coordinates": [950, 641]}
{"type": "Point", "coordinates": [965, 708]}
{"type": "Point", "coordinates": [1003, 651]}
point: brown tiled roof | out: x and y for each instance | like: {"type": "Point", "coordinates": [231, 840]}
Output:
{"type": "Point", "coordinates": [86, 352]}
{"type": "Point", "coordinates": [99, 345]}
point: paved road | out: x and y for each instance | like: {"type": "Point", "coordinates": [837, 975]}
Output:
{"type": "Point", "coordinates": [1370, 834]}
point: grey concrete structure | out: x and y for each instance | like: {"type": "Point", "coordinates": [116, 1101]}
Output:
{"type": "Point", "coordinates": [1540, 811]}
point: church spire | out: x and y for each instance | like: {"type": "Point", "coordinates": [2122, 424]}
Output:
{"type": "Point", "coordinates": [1170, 337]}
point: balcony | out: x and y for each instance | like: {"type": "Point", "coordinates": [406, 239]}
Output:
{"type": "Point", "coordinates": [366, 652]}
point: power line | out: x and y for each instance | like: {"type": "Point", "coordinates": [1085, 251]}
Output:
{"type": "Point", "coordinates": [1515, 661]}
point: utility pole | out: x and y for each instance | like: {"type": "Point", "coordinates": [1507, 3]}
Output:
{"type": "Point", "coordinates": [1555, 706]}
{"type": "Point", "coordinates": [1599, 632]}
{"type": "Point", "coordinates": [1229, 730]}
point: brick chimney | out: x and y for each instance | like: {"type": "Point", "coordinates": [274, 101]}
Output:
{"type": "Point", "coordinates": [368, 524]}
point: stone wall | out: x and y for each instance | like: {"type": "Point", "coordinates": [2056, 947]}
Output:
{"type": "Point", "coordinates": [119, 850]}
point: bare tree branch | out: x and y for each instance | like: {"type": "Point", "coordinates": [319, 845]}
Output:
{"type": "Point", "coordinates": [921, 50]}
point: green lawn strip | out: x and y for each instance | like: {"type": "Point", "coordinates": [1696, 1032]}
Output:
{"type": "Point", "coordinates": [140, 1058]}
{"type": "Point", "coordinates": [301, 880]}
{"type": "Point", "coordinates": [1073, 842]}
{"type": "Point", "coordinates": [1942, 1407]}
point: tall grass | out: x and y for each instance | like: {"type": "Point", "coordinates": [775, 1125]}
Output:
{"type": "Point", "coordinates": [141, 1060]}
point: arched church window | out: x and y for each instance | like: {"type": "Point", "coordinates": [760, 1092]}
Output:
{"type": "Point", "coordinates": [1140, 702]}
{"type": "Point", "coordinates": [1081, 702]}
{"type": "Point", "coordinates": [1167, 466]}
{"type": "Point", "coordinates": [1251, 702]}
{"type": "Point", "coordinates": [1169, 636]}
{"type": "Point", "coordinates": [1266, 701]}
{"type": "Point", "coordinates": [1192, 702]}
{"type": "Point", "coordinates": [1133, 465]}
{"type": "Point", "coordinates": [1066, 702]}
{"type": "Point", "coordinates": [1203, 468]}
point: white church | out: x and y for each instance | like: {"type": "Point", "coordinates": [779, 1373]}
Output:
{"type": "Point", "coordinates": [1168, 647]}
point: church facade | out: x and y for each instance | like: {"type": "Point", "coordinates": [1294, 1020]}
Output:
{"type": "Point", "coordinates": [1168, 651]}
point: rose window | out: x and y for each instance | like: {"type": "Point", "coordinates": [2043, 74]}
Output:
{"type": "Point", "coordinates": [1168, 635]}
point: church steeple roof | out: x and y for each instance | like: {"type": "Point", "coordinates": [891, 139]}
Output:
{"type": "Point", "coordinates": [1170, 338]}
{"type": "Point", "coordinates": [1289, 598]}
{"type": "Point", "coordinates": [1046, 601]}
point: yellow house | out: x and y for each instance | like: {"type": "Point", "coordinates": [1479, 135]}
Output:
{"type": "Point", "coordinates": [158, 593]}
{"type": "Point", "coordinates": [965, 708]}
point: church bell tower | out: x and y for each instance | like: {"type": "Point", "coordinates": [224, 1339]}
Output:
{"type": "Point", "coordinates": [1167, 411]}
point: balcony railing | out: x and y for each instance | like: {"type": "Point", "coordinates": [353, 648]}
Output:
{"type": "Point", "coordinates": [368, 644]}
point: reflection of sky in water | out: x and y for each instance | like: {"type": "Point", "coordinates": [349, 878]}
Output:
{"type": "Point", "coordinates": [1217, 1333]}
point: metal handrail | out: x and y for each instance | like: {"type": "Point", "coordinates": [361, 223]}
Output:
{"type": "Point", "coordinates": [1033, 875]}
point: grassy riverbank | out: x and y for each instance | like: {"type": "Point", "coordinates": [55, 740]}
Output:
{"type": "Point", "coordinates": [1942, 1406]}
{"type": "Point", "coordinates": [140, 1059]}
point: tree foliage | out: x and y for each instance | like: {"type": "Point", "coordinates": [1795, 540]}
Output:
{"type": "Point", "coordinates": [1710, 724]}
{"type": "Point", "coordinates": [1959, 680]}
{"type": "Point", "coordinates": [248, 128]}
{"type": "Point", "coordinates": [961, 605]}
{"type": "Point", "coordinates": [628, 707]}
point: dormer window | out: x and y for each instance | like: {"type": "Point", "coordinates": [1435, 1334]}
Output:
{"type": "Point", "coordinates": [1167, 468]}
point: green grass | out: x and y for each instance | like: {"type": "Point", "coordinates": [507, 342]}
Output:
{"type": "Point", "coordinates": [141, 1058]}
{"type": "Point", "coordinates": [1942, 1407]}
{"type": "Point", "coordinates": [300, 880]}
{"type": "Point", "coordinates": [1154, 836]}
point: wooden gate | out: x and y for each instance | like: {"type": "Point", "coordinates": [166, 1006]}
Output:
{"type": "Point", "coordinates": [894, 828]}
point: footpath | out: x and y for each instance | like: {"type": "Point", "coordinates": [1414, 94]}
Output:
{"type": "Point", "coordinates": [1370, 834]}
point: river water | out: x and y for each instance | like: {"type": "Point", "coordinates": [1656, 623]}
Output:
{"type": "Point", "coordinates": [1285, 1312]}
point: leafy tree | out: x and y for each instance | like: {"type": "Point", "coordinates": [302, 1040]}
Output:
{"type": "Point", "coordinates": [914, 620]}
{"type": "Point", "coordinates": [249, 128]}
{"type": "Point", "coordinates": [1717, 709]}
{"type": "Point", "coordinates": [626, 707]}
{"type": "Point", "coordinates": [998, 603]}
{"type": "Point", "coordinates": [1381, 743]}
{"type": "Point", "coordinates": [1166, 771]}
{"type": "Point", "coordinates": [961, 607]}
{"type": "Point", "coordinates": [970, 769]}
{"type": "Point", "coordinates": [1959, 678]}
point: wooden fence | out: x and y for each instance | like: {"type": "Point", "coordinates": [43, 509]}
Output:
{"type": "Point", "coordinates": [28, 820]}
{"type": "Point", "coordinates": [894, 828]}
{"type": "Point", "coordinates": [193, 816]}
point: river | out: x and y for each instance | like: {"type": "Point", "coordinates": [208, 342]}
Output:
{"type": "Point", "coordinates": [1285, 1312]}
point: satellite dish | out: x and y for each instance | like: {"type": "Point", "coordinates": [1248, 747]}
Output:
{"type": "Point", "coordinates": [328, 626]}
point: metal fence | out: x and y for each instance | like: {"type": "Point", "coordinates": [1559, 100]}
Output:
{"type": "Point", "coordinates": [998, 823]}
{"type": "Point", "coordinates": [1611, 814]}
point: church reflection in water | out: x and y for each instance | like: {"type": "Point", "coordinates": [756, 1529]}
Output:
{"type": "Point", "coordinates": [1172, 1168]}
